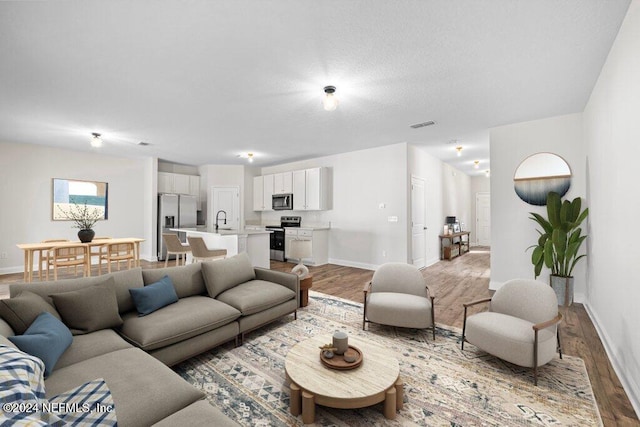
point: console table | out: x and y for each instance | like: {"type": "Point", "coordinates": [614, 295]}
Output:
{"type": "Point", "coordinates": [450, 248]}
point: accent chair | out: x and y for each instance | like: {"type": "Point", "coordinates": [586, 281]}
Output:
{"type": "Point", "coordinates": [397, 295]}
{"type": "Point", "coordinates": [520, 326]}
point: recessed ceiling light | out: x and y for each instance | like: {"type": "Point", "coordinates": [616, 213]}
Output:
{"type": "Point", "coordinates": [96, 140]}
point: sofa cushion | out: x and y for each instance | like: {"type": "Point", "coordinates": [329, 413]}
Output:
{"type": "Point", "coordinates": [47, 338]}
{"type": "Point", "coordinates": [91, 345]}
{"type": "Point", "coordinates": [89, 309]}
{"type": "Point", "coordinates": [199, 414]}
{"type": "Point", "coordinates": [21, 310]}
{"type": "Point", "coordinates": [256, 295]}
{"type": "Point", "coordinates": [154, 296]}
{"type": "Point", "coordinates": [224, 274]}
{"type": "Point", "coordinates": [187, 280]}
{"type": "Point", "coordinates": [123, 281]}
{"type": "Point", "coordinates": [176, 322]}
{"type": "Point", "coordinates": [144, 390]}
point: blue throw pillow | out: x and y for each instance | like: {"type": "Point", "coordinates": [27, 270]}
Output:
{"type": "Point", "coordinates": [47, 338]}
{"type": "Point", "coordinates": [154, 296]}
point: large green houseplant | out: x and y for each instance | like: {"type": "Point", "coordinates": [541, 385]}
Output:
{"type": "Point", "coordinates": [559, 243]}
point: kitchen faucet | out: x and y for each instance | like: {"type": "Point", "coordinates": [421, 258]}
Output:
{"type": "Point", "coordinates": [217, 219]}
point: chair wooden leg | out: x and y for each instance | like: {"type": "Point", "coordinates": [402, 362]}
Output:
{"type": "Point", "coordinates": [535, 358]}
{"type": "Point", "coordinates": [464, 327]}
{"type": "Point", "coordinates": [433, 317]}
{"type": "Point", "coordinates": [559, 344]}
{"type": "Point", "coordinates": [166, 260]}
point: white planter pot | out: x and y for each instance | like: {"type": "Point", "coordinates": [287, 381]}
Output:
{"type": "Point", "coordinates": [563, 287]}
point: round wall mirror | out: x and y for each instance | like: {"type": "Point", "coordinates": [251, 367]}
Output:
{"type": "Point", "coordinates": [539, 174]}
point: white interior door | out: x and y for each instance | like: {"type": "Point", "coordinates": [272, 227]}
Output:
{"type": "Point", "coordinates": [418, 228]}
{"type": "Point", "coordinates": [483, 219]}
{"type": "Point", "coordinates": [225, 199]}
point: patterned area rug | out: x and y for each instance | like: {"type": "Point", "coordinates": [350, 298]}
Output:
{"type": "Point", "coordinates": [443, 385]}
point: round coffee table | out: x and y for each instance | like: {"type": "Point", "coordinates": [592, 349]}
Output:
{"type": "Point", "coordinates": [376, 380]}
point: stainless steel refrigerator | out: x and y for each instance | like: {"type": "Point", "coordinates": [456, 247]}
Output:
{"type": "Point", "coordinates": [174, 211]}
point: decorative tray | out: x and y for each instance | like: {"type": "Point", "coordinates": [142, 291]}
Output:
{"type": "Point", "coordinates": [338, 362]}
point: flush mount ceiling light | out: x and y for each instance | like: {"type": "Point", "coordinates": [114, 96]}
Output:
{"type": "Point", "coordinates": [487, 173]}
{"type": "Point", "coordinates": [459, 150]}
{"type": "Point", "coordinates": [476, 164]}
{"type": "Point", "coordinates": [248, 156]}
{"type": "Point", "coordinates": [96, 140]}
{"type": "Point", "coordinates": [330, 102]}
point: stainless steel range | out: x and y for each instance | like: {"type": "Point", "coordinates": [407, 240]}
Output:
{"type": "Point", "coordinates": [277, 237]}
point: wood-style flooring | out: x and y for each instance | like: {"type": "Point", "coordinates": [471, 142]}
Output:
{"type": "Point", "coordinates": [465, 279]}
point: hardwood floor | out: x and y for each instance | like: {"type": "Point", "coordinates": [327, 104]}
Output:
{"type": "Point", "coordinates": [464, 279]}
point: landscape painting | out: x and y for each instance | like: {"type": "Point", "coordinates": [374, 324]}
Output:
{"type": "Point", "coordinates": [70, 192]}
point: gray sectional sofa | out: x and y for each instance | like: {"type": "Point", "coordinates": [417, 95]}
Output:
{"type": "Point", "coordinates": [218, 301]}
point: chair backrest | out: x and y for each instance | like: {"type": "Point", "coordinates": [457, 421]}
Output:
{"type": "Point", "coordinates": [68, 251]}
{"type": "Point", "coordinates": [198, 247]}
{"type": "Point", "coordinates": [173, 243]}
{"type": "Point", "coordinates": [120, 248]}
{"type": "Point", "coordinates": [400, 278]}
{"type": "Point", "coordinates": [530, 300]}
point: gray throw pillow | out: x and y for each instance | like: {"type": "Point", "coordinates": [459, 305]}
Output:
{"type": "Point", "coordinates": [21, 310]}
{"type": "Point", "coordinates": [90, 309]}
{"type": "Point", "coordinates": [226, 273]}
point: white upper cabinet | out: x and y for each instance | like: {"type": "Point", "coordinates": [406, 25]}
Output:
{"type": "Point", "coordinates": [267, 194]}
{"type": "Point", "coordinates": [178, 183]}
{"type": "Point", "coordinates": [165, 182]}
{"type": "Point", "coordinates": [282, 183]}
{"type": "Point", "coordinates": [310, 189]}
{"type": "Point", "coordinates": [258, 193]}
{"type": "Point", "coordinates": [181, 183]}
{"type": "Point", "coordinates": [194, 188]}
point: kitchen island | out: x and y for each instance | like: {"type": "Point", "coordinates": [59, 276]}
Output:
{"type": "Point", "coordinates": [254, 242]}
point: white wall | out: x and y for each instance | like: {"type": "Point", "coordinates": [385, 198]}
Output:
{"type": "Point", "coordinates": [456, 195]}
{"type": "Point", "coordinates": [221, 176]}
{"type": "Point", "coordinates": [479, 184]}
{"type": "Point", "coordinates": [429, 168]}
{"type": "Point", "coordinates": [26, 186]}
{"type": "Point", "coordinates": [362, 180]}
{"type": "Point", "coordinates": [612, 135]}
{"type": "Point", "coordinates": [511, 229]}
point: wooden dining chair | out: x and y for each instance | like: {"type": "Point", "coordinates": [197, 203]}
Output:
{"type": "Point", "coordinates": [175, 247]}
{"type": "Point", "coordinates": [42, 256]}
{"type": "Point", "coordinates": [96, 252]}
{"type": "Point", "coordinates": [200, 251]}
{"type": "Point", "coordinates": [116, 252]}
{"type": "Point", "coordinates": [67, 256]}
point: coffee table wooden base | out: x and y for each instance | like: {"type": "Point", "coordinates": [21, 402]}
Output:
{"type": "Point", "coordinates": [304, 402]}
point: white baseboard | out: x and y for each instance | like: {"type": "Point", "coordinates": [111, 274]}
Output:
{"type": "Point", "coordinates": [11, 270]}
{"type": "Point", "coordinates": [631, 387]}
{"type": "Point", "coordinates": [432, 261]}
{"type": "Point", "coordinates": [346, 263]}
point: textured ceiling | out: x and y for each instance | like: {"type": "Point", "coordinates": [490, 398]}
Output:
{"type": "Point", "coordinates": [202, 81]}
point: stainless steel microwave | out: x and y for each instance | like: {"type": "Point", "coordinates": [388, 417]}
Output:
{"type": "Point", "coordinates": [282, 202]}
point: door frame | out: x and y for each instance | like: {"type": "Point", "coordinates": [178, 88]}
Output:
{"type": "Point", "coordinates": [424, 220]}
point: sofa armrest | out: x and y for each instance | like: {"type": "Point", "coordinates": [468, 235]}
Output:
{"type": "Point", "coordinates": [289, 280]}
{"type": "Point", "coordinates": [5, 329]}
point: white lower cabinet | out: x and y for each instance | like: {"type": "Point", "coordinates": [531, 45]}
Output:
{"type": "Point", "coordinates": [319, 244]}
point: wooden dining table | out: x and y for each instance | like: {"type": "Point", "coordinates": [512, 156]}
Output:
{"type": "Point", "coordinates": [30, 248]}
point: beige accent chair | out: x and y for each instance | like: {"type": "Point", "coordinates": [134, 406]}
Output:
{"type": "Point", "coordinates": [175, 247]}
{"type": "Point", "coordinates": [521, 325]}
{"type": "Point", "coordinates": [398, 296]}
{"type": "Point", "coordinates": [116, 252]}
{"type": "Point", "coordinates": [200, 251]}
{"type": "Point", "coordinates": [67, 256]}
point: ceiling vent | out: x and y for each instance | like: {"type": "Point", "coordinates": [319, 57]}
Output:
{"type": "Point", "coordinates": [421, 125]}
{"type": "Point", "coordinates": [142, 143]}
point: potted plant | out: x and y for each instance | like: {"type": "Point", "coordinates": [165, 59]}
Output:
{"type": "Point", "coordinates": [84, 218]}
{"type": "Point", "coordinates": [559, 243]}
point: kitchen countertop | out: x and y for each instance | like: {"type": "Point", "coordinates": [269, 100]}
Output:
{"type": "Point", "coordinates": [313, 227]}
{"type": "Point", "coordinates": [221, 231]}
